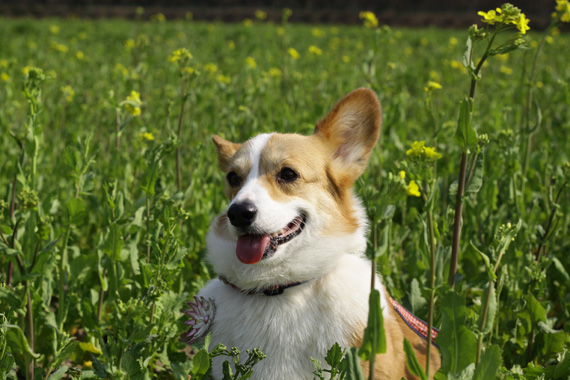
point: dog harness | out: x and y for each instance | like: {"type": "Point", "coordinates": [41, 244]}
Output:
{"type": "Point", "coordinates": [417, 325]}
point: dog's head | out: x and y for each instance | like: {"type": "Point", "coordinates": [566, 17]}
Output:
{"type": "Point", "coordinates": [292, 211]}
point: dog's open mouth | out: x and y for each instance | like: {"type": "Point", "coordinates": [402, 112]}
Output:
{"type": "Point", "coordinates": [251, 249]}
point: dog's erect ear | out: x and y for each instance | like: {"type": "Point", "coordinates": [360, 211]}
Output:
{"type": "Point", "coordinates": [226, 151]}
{"type": "Point", "coordinates": [351, 128]}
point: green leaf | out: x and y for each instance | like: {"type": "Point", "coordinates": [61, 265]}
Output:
{"type": "Point", "coordinates": [99, 368]}
{"type": "Point", "coordinates": [90, 347]}
{"type": "Point", "coordinates": [77, 210]}
{"type": "Point", "coordinates": [374, 339]}
{"type": "Point", "coordinates": [113, 242]}
{"type": "Point", "coordinates": [535, 309]}
{"type": "Point", "coordinates": [467, 61]}
{"type": "Point", "coordinates": [417, 301]}
{"type": "Point", "coordinates": [200, 363]}
{"type": "Point", "coordinates": [59, 373]}
{"type": "Point", "coordinates": [412, 361]}
{"type": "Point", "coordinates": [560, 268]}
{"type": "Point", "coordinates": [17, 341]}
{"type": "Point", "coordinates": [489, 364]}
{"type": "Point", "coordinates": [353, 369]}
{"type": "Point", "coordinates": [334, 355]}
{"type": "Point", "coordinates": [465, 135]}
{"type": "Point", "coordinates": [458, 344]}
{"type": "Point", "coordinates": [227, 371]}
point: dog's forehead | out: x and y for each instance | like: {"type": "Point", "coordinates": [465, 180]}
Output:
{"type": "Point", "coordinates": [282, 148]}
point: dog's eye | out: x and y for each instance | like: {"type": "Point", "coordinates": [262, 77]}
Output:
{"type": "Point", "coordinates": [233, 179]}
{"type": "Point", "coordinates": [287, 175]}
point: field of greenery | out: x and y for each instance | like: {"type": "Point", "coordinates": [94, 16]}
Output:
{"type": "Point", "coordinates": [109, 180]}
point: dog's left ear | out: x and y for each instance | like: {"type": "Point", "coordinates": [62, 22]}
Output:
{"type": "Point", "coordinates": [351, 128]}
{"type": "Point", "coordinates": [226, 151]}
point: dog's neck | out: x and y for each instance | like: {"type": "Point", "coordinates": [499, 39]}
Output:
{"type": "Point", "coordinates": [269, 291]}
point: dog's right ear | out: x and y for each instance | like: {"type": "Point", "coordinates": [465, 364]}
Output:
{"type": "Point", "coordinates": [226, 151]}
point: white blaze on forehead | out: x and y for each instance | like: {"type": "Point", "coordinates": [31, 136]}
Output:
{"type": "Point", "coordinates": [249, 190]}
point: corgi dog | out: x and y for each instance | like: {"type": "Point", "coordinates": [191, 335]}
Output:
{"type": "Point", "coordinates": [289, 249]}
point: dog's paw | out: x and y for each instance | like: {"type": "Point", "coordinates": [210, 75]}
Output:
{"type": "Point", "coordinates": [201, 315]}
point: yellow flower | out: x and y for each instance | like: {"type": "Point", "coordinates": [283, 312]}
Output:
{"type": "Point", "coordinates": [130, 44]}
{"type": "Point", "coordinates": [158, 17]}
{"type": "Point", "coordinates": [224, 79]}
{"type": "Point", "coordinates": [491, 17]}
{"type": "Point", "coordinates": [345, 58]}
{"type": "Point", "coordinates": [251, 62]}
{"type": "Point", "coordinates": [260, 15]}
{"type": "Point", "coordinates": [247, 23]}
{"type": "Point", "coordinates": [506, 70]}
{"type": "Point", "coordinates": [5, 77]}
{"type": "Point", "coordinates": [243, 109]}
{"type": "Point", "coordinates": [549, 40]}
{"type": "Point", "coordinates": [453, 41]}
{"type": "Point", "coordinates": [432, 86]}
{"type": "Point", "coordinates": [417, 148]}
{"type": "Point", "coordinates": [316, 32]}
{"type": "Point", "coordinates": [431, 153]}
{"type": "Point", "coordinates": [315, 50]}
{"type": "Point", "coordinates": [146, 136]}
{"type": "Point", "coordinates": [59, 47]}
{"type": "Point", "coordinates": [421, 153]}
{"type": "Point", "coordinates": [3, 63]}
{"type": "Point", "coordinates": [54, 29]}
{"type": "Point", "coordinates": [190, 71]}
{"type": "Point", "coordinates": [133, 103]}
{"type": "Point", "coordinates": [369, 19]}
{"type": "Point", "coordinates": [80, 55]}
{"type": "Point", "coordinates": [522, 24]}
{"type": "Point", "coordinates": [231, 44]}
{"type": "Point", "coordinates": [119, 68]}
{"type": "Point", "coordinates": [68, 93]}
{"type": "Point", "coordinates": [88, 364]}
{"type": "Point", "coordinates": [180, 55]}
{"type": "Point", "coordinates": [402, 174]}
{"type": "Point", "coordinates": [211, 68]}
{"type": "Point", "coordinates": [563, 6]}
{"type": "Point", "coordinates": [293, 53]}
{"type": "Point", "coordinates": [275, 72]}
{"type": "Point", "coordinates": [26, 70]}
{"type": "Point", "coordinates": [413, 189]}
{"type": "Point", "coordinates": [281, 31]}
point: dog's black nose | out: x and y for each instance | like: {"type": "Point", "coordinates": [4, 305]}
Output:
{"type": "Point", "coordinates": [242, 214]}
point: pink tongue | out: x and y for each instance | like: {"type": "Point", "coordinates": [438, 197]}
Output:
{"type": "Point", "coordinates": [250, 248]}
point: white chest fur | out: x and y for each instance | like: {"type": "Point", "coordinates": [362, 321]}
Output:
{"type": "Point", "coordinates": [300, 324]}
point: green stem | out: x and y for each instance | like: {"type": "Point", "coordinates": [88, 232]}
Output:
{"type": "Point", "coordinates": [463, 168]}
{"type": "Point", "coordinates": [178, 159]}
{"type": "Point", "coordinates": [372, 287]}
{"type": "Point", "coordinates": [30, 322]}
{"type": "Point", "coordinates": [549, 225]}
{"type": "Point", "coordinates": [61, 290]}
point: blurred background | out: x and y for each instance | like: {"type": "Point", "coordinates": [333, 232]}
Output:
{"type": "Point", "coordinates": [411, 13]}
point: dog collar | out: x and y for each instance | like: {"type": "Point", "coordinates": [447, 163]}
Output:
{"type": "Point", "coordinates": [270, 291]}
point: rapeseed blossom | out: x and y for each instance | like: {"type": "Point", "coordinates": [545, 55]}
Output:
{"type": "Point", "coordinates": [413, 189]}
{"type": "Point", "coordinates": [68, 93]}
{"type": "Point", "coordinates": [133, 103]}
{"type": "Point", "coordinates": [421, 153]}
{"type": "Point", "coordinates": [260, 15]}
{"type": "Point", "coordinates": [180, 55]}
{"type": "Point", "coordinates": [250, 62]}
{"type": "Point", "coordinates": [315, 50]}
{"type": "Point", "coordinates": [223, 79]}
{"type": "Point", "coordinates": [147, 136]}
{"type": "Point", "coordinates": [431, 85]}
{"type": "Point", "coordinates": [507, 14]}
{"type": "Point", "coordinates": [293, 53]}
{"type": "Point", "coordinates": [275, 72]}
{"type": "Point", "coordinates": [210, 68]}
{"type": "Point", "coordinates": [369, 19]}
{"type": "Point", "coordinates": [563, 8]}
